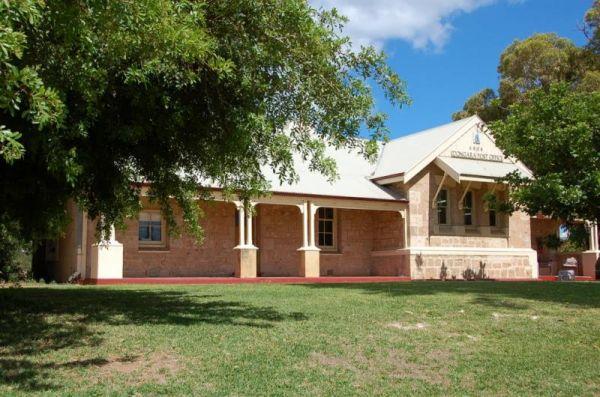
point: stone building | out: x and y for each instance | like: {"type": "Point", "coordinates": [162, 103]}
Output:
{"type": "Point", "coordinates": [418, 211]}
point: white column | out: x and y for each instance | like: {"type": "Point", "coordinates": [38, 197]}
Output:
{"type": "Point", "coordinates": [311, 223]}
{"type": "Point", "coordinates": [241, 218]}
{"type": "Point", "coordinates": [107, 257]}
{"type": "Point", "coordinates": [249, 227]}
{"type": "Point", "coordinates": [403, 214]}
{"type": "Point", "coordinates": [304, 211]}
{"type": "Point", "coordinates": [593, 243]}
{"type": "Point", "coordinates": [113, 235]}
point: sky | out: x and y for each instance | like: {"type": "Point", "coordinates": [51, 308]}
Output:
{"type": "Point", "coordinates": [446, 50]}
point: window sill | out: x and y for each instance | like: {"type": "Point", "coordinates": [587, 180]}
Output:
{"type": "Point", "coordinates": [330, 252]}
{"type": "Point", "coordinates": [153, 249]}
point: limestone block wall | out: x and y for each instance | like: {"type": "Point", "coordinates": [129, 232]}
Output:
{"type": "Point", "coordinates": [419, 192]}
{"type": "Point", "coordinates": [279, 235]}
{"type": "Point", "coordinates": [468, 241]}
{"type": "Point", "coordinates": [182, 256]}
{"type": "Point", "coordinates": [355, 243]}
{"type": "Point", "coordinates": [388, 230]}
{"type": "Point", "coordinates": [359, 232]}
{"type": "Point", "coordinates": [519, 230]}
{"type": "Point", "coordinates": [495, 266]}
{"type": "Point", "coordinates": [396, 264]}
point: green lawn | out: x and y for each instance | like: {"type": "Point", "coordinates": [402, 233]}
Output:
{"type": "Point", "coordinates": [362, 339]}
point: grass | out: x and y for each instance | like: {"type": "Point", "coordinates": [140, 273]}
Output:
{"type": "Point", "coordinates": [428, 338]}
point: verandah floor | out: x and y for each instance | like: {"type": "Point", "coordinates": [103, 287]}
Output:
{"type": "Point", "coordinates": [236, 280]}
{"type": "Point", "coordinates": [277, 280]}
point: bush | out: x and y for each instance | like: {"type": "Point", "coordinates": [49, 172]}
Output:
{"type": "Point", "coordinates": [15, 254]}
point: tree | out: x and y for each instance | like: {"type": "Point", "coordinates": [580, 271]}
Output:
{"type": "Point", "coordinates": [484, 103]}
{"type": "Point", "coordinates": [535, 62]}
{"type": "Point", "coordinates": [556, 132]}
{"type": "Point", "coordinates": [590, 28]}
{"type": "Point", "coordinates": [179, 93]}
{"type": "Point", "coordinates": [23, 94]}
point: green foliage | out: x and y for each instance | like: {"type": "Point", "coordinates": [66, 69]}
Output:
{"type": "Point", "coordinates": [556, 132]}
{"type": "Point", "coordinates": [485, 104]}
{"type": "Point", "coordinates": [15, 253]}
{"type": "Point", "coordinates": [535, 62]}
{"type": "Point", "coordinates": [547, 115]}
{"type": "Point", "coordinates": [23, 95]}
{"type": "Point", "coordinates": [592, 22]}
{"type": "Point", "coordinates": [177, 93]}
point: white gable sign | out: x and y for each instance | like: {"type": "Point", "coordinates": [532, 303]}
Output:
{"type": "Point", "coordinates": [475, 145]}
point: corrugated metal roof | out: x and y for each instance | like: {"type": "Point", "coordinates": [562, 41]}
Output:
{"type": "Point", "coordinates": [398, 156]}
{"type": "Point", "coordinates": [401, 154]}
{"type": "Point", "coordinates": [353, 182]}
{"type": "Point", "coordinates": [484, 169]}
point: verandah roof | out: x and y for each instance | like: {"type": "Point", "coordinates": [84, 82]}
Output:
{"type": "Point", "coordinates": [477, 170]}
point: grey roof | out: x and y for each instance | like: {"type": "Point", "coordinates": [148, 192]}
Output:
{"type": "Point", "coordinates": [486, 169]}
{"type": "Point", "coordinates": [356, 174]}
{"type": "Point", "coordinates": [353, 182]}
{"type": "Point", "coordinates": [401, 154]}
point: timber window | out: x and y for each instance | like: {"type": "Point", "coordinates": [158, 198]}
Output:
{"type": "Point", "coordinates": [493, 220]}
{"type": "Point", "coordinates": [151, 230]}
{"type": "Point", "coordinates": [442, 207]}
{"type": "Point", "coordinates": [468, 208]}
{"type": "Point", "coordinates": [327, 233]}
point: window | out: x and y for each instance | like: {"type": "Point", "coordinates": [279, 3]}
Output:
{"type": "Point", "coordinates": [150, 229]}
{"type": "Point", "coordinates": [442, 207]}
{"type": "Point", "coordinates": [326, 232]}
{"type": "Point", "coordinates": [468, 208]}
{"type": "Point", "coordinates": [492, 215]}
{"type": "Point", "coordinates": [563, 232]}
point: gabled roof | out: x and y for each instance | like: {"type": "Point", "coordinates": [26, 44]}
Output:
{"type": "Point", "coordinates": [399, 159]}
{"type": "Point", "coordinates": [353, 182]}
{"type": "Point", "coordinates": [401, 155]}
{"type": "Point", "coordinates": [480, 171]}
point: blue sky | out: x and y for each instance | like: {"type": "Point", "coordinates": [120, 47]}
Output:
{"type": "Point", "coordinates": [447, 50]}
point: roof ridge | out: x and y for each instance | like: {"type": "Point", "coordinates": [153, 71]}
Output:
{"type": "Point", "coordinates": [413, 134]}
{"type": "Point", "coordinates": [379, 159]}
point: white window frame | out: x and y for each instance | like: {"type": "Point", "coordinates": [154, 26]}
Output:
{"type": "Point", "coordinates": [334, 223]}
{"type": "Point", "coordinates": [445, 207]}
{"type": "Point", "coordinates": [152, 243]}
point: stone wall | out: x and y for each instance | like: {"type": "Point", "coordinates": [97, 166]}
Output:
{"type": "Point", "coordinates": [355, 243]}
{"type": "Point", "coordinates": [423, 219]}
{"type": "Point", "coordinates": [519, 230]}
{"type": "Point", "coordinates": [495, 266]}
{"type": "Point", "coordinates": [279, 235]}
{"type": "Point", "coordinates": [419, 207]}
{"type": "Point", "coordinates": [182, 256]}
{"type": "Point", "coordinates": [390, 264]}
{"type": "Point", "coordinates": [388, 230]}
{"type": "Point", "coordinates": [468, 241]}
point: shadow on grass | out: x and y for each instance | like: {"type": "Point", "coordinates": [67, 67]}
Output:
{"type": "Point", "coordinates": [38, 320]}
{"type": "Point", "coordinates": [488, 293]}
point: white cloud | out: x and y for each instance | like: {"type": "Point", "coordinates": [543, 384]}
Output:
{"type": "Point", "coordinates": [423, 23]}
